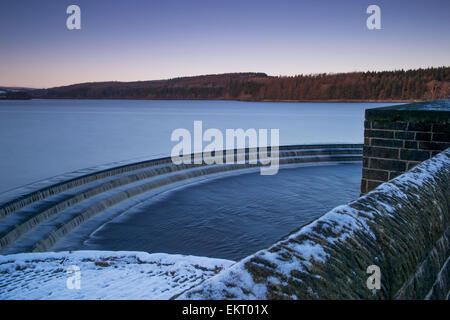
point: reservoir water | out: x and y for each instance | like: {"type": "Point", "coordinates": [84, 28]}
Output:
{"type": "Point", "coordinates": [229, 216]}
{"type": "Point", "coordinates": [44, 138]}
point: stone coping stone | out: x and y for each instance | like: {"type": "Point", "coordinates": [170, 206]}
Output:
{"type": "Point", "coordinates": [437, 111]}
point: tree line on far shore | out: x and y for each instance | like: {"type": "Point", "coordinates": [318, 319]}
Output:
{"type": "Point", "coordinates": [419, 84]}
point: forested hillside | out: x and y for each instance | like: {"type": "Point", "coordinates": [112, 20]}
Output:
{"type": "Point", "coordinates": [420, 84]}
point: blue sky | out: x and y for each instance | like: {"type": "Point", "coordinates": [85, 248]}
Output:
{"type": "Point", "coordinates": [146, 40]}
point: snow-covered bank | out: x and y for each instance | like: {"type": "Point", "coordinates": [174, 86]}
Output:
{"type": "Point", "coordinates": [103, 274]}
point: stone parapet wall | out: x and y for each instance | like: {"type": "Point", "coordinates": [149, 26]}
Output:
{"type": "Point", "coordinates": [67, 201]}
{"type": "Point", "coordinates": [398, 138]}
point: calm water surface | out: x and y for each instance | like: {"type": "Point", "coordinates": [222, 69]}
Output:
{"type": "Point", "coordinates": [44, 138]}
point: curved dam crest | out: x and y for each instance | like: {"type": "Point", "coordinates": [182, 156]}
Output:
{"type": "Point", "coordinates": [36, 219]}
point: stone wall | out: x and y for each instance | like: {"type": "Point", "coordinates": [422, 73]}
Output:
{"type": "Point", "coordinates": [402, 226]}
{"type": "Point", "coordinates": [398, 138]}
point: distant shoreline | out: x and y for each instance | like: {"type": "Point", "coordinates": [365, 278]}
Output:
{"type": "Point", "coordinates": [387, 87]}
{"type": "Point", "coordinates": [245, 100]}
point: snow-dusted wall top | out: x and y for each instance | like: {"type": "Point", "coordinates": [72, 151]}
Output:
{"type": "Point", "coordinates": [402, 227]}
{"type": "Point", "coordinates": [102, 275]}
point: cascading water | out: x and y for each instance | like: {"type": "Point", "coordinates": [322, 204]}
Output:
{"type": "Point", "coordinates": [35, 220]}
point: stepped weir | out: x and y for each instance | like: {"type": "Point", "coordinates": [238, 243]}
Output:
{"type": "Point", "coordinates": [34, 217]}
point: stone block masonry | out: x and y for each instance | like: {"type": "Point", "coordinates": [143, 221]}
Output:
{"type": "Point", "coordinates": [398, 138]}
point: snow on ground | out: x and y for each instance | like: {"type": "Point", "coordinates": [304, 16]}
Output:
{"type": "Point", "coordinates": [102, 275]}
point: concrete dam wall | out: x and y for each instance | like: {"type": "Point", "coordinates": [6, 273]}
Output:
{"type": "Point", "coordinates": [402, 227]}
{"type": "Point", "coordinates": [35, 217]}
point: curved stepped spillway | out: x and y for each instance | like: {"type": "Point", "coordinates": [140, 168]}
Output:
{"type": "Point", "coordinates": [35, 217]}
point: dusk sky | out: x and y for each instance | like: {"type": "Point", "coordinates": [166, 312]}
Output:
{"type": "Point", "coordinates": [131, 40]}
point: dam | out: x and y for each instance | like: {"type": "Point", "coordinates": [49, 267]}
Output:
{"type": "Point", "coordinates": [400, 224]}
{"type": "Point", "coordinates": [35, 217]}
